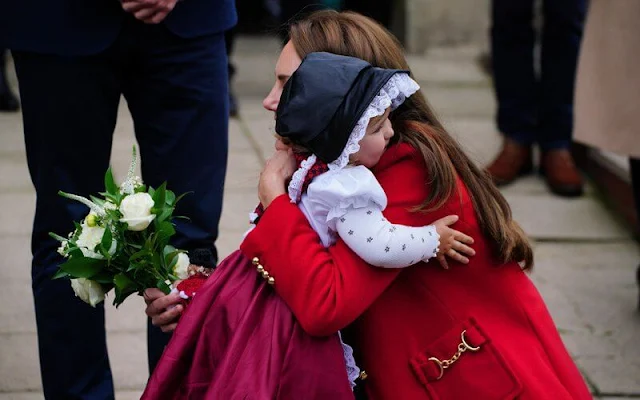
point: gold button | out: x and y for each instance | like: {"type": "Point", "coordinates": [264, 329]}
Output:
{"type": "Point", "coordinates": [259, 268]}
{"type": "Point", "coordinates": [271, 280]}
{"type": "Point", "coordinates": [265, 274]}
{"type": "Point", "coordinates": [255, 261]}
{"type": "Point", "coordinates": [363, 375]}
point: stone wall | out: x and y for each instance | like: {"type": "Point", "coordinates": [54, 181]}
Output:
{"type": "Point", "coordinates": [429, 23]}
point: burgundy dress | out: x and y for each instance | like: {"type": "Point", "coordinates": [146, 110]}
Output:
{"type": "Point", "coordinates": [239, 340]}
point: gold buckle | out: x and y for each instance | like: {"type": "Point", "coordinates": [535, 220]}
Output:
{"type": "Point", "coordinates": [462, 347]}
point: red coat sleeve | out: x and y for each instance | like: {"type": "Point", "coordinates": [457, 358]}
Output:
{"type": "Point", "coordinates": [328, 288]}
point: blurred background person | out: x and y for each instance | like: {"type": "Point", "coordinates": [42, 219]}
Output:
{"type": "Point", "coordinates": [261, 16]}
{"type": "Point", "coordinates": [8, 100]}
{"type": "Point", "coordinates": [608, 86]}
{"type": "Point", "coordinates": [536, 108]}
{"type": "Point", "coordinates": [74, 61]}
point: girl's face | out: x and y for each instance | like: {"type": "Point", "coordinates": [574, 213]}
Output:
{"type": "Point", "coordinates": [375, 141]}
{"type": "Point", "coordinates": [288, 62]}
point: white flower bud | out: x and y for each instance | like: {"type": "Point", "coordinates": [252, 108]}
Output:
{"type": "Point", "coordinates": [181, 269]}
{"type": "Point", "coordinates": [89, 291]}
{"type": "Point", "coordinates": [91, 219]}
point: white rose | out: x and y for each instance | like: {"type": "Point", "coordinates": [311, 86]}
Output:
{"type": "Point", "coordinates": [136, 211]}
{"type": "Point", "coordinates": [89, 291]}
{"type": "Point", "coordinates": [182, 265]}
{"type": "Point", "coordinates": [89, 238]}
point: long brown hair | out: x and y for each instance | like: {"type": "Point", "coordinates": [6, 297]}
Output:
{"type": "Point", "coordinates": [355, 35]}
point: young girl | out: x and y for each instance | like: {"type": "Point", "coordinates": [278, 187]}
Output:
{"type": "Point", "coordinates": [335, 112]}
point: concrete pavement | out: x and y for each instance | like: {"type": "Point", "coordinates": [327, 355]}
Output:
{"type": "Point", "coordinates": [585, 259]}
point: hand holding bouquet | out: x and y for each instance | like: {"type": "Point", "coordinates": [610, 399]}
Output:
{"type": "Point", "coordinates": [123, 243]}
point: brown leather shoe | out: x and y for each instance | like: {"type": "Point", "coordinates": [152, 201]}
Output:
{"type": "Point", "coordinates": [561, 173]}
{"type": "Point", "coordinates": [513, 161]}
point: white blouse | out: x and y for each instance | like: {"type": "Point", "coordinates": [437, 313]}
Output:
{"type": "Point", "coordinates": [349, 203]}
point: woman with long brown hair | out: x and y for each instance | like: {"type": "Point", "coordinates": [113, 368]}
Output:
{"type": "Point", "coordinates": [478, 331]}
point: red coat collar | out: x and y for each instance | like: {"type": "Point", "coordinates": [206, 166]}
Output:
{"type": "Point", "coordinates": [394, 154]}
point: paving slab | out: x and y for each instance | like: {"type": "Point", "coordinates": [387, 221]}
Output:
{"type": "Point", "coordinates": [450, 102]}
{"type": "Point", "coordinates": [15, 175]}
{"type": "Point", "coordinates": [128, 358]}
{"type": "Point", "coordinates": [590, 291]}
{"type": "Point", "coordinates": [243, 171]}
{"type": "Point", "coordinates": [19, 364]}
{"type": "Point", "coordinates": [16, 268]}
{"type": "Point", "coordinates": [237, 206]}
{"type": "Point", "coordinates": [17, 316]}
{"type": "Point", "coordinates": [261, 130]}
{"type": "Point", "coordinates": [448, 68]}
{"type": "Point", "coordinates": [11, 134]}
{"type": "Point", "coordinates": [228, 242]}
{"type": "Point", "coordinates": [22, 396]}
{"type": "Point", "coordinates": [547, 217]}
{"type": "Point", "coordinates": [16, 213]}
{"type": "Point", "coordinates": [129, 317]}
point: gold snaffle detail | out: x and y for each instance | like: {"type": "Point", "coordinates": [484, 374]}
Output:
{"type": "Point", "coordinates": [462, 347]}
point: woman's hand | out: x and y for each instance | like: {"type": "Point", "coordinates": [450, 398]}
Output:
{"type": "Point", "coordinates": [452, 242]}
{"type": "Point", "coordinates": [277, 171]}
{"type": "Point", "coordinates": [163, 309]}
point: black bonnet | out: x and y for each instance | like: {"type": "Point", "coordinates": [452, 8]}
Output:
{"type": "Point", "coordinates": [323, 100]}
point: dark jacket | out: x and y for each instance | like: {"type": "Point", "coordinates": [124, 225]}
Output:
{"type": "Point", "coordinates": [81, 27]}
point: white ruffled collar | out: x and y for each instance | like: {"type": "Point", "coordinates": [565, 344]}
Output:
{"type": "Point", "coordinates": [393, 93]}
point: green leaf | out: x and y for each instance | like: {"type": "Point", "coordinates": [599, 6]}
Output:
{"type": "Point", "coordinates": [109, 182]}
{"type": "Point", "coordinates": [163, 286]}
{"type": "Point", "coordinates": [121, 296]}
{"type": "Point", "coordinates": [140, 189]}
{"type": "Point", "coordinates": [140, 254]}
{"type": "Point", "coordinates": [104, 278]}
{"type": "Point", "coordinates": [170, 198]}
{"type": "Point", "coordinates": [165, 214]}
{"type": "Point", "coordinates": [165, 230]}
{"type": "Point", "coordinates": [60, 274]}
{"type": "Point", "coordinates": [159, 196]}
{"type": "Point", "coordinates": [105, 244]}
{"type": "Point", "coordinates": [168, 249]}
{"type": "Point", "coordinates": [135, 246]}
{"type": "Point", "coordinates": [123, 282]}
{"type": "Point", "coordinates": [124, 287]}
{"type": "Point", "coordinates": [75, 252]}
{"type": "Point", "coordinates": [170, 257]}
{"type": "Point", "coordinates": [82, 267]}
{"type": "Point", "coordinates": [171, 263]}
{"type": "Point", "coordinates": [112, 197]}
{"type": "Point", "coordinates": [98, 200]}
{"type": "Point", "coordinates": [181, 196]}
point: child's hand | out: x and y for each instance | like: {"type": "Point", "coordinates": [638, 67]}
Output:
{"type": "Point", "coordinates": [452, 242]}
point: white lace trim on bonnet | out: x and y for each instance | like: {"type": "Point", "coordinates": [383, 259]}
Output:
{"type": "Point", "coordinates": [393, 93]}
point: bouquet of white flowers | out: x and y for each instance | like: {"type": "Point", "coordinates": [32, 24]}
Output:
{"type": "Point", "coordinates": [123, 243]}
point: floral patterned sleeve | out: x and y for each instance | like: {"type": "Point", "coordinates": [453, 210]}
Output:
{"type": "Point", "coordinates": [383, 244]}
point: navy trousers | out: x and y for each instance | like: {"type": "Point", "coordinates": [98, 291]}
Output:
{"type": "Point", "coordinates": [535, 105]}
{"type": "Point", "coordinates": [177, 92]}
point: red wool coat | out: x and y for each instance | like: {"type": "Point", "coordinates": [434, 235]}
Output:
{"type": "Point", "coordinates": [409, 322]}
